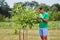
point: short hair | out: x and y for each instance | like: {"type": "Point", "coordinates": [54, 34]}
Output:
{"type": "Point", "coordinates": [40, 8]}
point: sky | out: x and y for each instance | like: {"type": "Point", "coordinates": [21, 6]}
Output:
{"type": "Point", "coordinates": [48, 2]}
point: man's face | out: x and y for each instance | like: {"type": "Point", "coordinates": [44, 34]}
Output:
{"type": "Point", "coordinates": [41, 11]}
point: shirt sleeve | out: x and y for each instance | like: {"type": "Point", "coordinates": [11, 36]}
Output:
{"type": "Point", "coordinates": [41, 16]}
{"type": "Point", "coordinates": [46, 16]}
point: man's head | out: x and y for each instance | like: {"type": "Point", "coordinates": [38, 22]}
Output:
{"type": "Point", "coordinates": [41, 10]}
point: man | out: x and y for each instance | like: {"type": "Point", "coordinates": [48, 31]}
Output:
{"type": "Point", "coordinates": [43, 24]}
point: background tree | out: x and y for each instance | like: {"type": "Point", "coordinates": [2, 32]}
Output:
{"type": "Point", "coordinates": [54, 12]}
{"type": "Point", "coordinates": [57, 6]}
{"type": "Point", "coordinates": [4, 8]}
{"type": "Point", "coordinates": [32, 4]}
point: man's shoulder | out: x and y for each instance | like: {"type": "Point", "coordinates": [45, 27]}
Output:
{"type": "Point", "coordinates": [45, 12]}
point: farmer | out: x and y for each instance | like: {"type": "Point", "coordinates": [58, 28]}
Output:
{"type": "Point", "coordinates": [43, 24]}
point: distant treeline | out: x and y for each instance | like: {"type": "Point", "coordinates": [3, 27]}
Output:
{"type": "Point", "coordinates": [54, 10]}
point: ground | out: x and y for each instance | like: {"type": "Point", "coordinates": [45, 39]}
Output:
{"type": "Point", "coordinates": [8, 34]}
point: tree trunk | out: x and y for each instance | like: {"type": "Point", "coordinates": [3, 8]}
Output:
{"type": "Point", "coordinates": [23, 33]}
{"type": "Point", "coordinates": [26, 34]}
{"type": "Point", "coordinates": [20, 34]}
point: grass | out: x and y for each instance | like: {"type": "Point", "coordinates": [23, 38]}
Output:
{"type": "Point", "coordinates": [8, 34]}
{"type": "Point", "coordinates": [10, 25]}
{"type": "Point", "coordinates": [7, 31]}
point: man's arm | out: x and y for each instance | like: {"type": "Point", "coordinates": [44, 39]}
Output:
{"type": "Point", "coordinates": [45, 20]}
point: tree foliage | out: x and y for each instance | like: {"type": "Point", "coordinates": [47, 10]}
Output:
{"type": "Point", "coordinates": [25, 17]}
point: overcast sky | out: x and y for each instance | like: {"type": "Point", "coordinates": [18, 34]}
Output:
{"type": "Point", "coordinates": [48, 2]}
